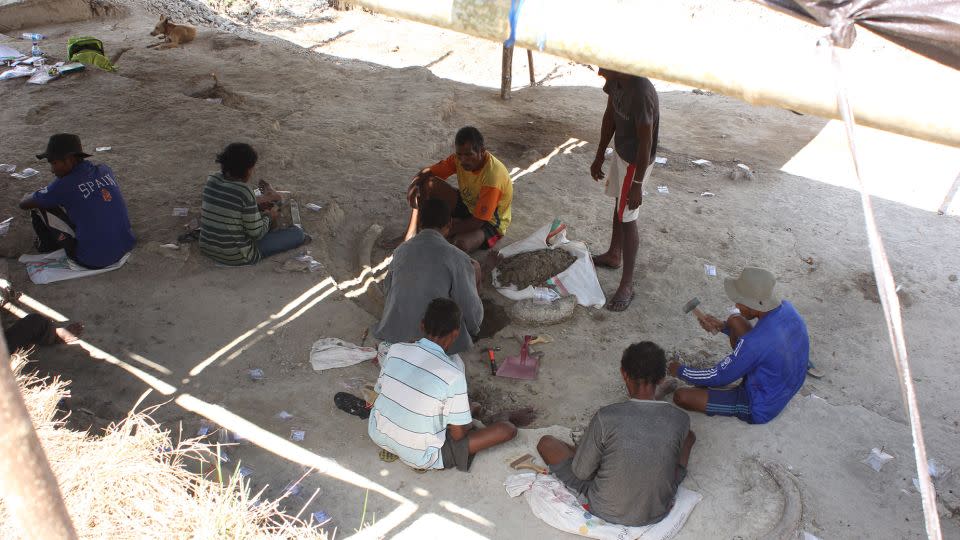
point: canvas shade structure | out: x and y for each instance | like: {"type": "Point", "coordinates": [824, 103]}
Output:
{"type": "Point", "coordinates": [927, 27]}
{"type": "Point", "coordinates": [740, 56]}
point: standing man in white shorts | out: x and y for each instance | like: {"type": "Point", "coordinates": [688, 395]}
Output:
{"type": "Point", "coordinates": [632, 120]}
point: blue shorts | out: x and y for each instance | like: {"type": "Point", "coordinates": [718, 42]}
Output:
{"type": "Point", "coordinates": [733, 402]}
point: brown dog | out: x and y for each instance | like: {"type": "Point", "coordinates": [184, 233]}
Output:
{"type": "Point", "coordinates": [174, 35]}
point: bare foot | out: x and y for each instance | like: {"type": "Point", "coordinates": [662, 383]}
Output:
{"type": "Point", "coordinates": [523, 417]}
{"type": "Point", "coordinates": [668, 385]}
{"type": "Point", "coordinates": [70, 334]}
{"type": "Point", "coordinates": [607, 260]}
{"type": "Point", "coordinates": [519, 417]}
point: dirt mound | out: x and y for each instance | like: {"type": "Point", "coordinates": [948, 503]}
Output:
{"type": "Point", "coordinates": [17, 14]}
{"type": "Point", "coordinates": [218, 93]}
{"type": "Point", "coordinates": [534, 267]}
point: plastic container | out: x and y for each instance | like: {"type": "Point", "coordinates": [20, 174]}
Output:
{"type": "Point", "coordinates": [35, 38]}
{"type": "Point", "coordinates": [543, 295]}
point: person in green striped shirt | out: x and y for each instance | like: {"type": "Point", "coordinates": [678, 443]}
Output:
{"type": "Point", "coordinates": [233, 229]}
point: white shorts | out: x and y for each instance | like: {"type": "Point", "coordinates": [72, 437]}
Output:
{"type": "Point", "coordinates": [619, 181]}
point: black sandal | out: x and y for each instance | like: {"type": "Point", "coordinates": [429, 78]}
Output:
{"type": "Point", "coordinates": [351, 404]}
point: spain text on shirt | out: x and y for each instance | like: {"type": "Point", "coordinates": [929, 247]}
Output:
{"type": "Point", "coordinates": [88, 188]}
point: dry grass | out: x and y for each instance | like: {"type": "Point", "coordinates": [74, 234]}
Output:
{"type": "Point", "coordinates": [131, 482]}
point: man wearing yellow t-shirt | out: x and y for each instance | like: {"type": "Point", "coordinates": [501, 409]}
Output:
{"type": "Point", "coordinates": [481, 205]}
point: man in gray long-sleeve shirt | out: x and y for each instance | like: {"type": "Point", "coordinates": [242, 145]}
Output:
{"type": "Point", "coordinates": [426, 267]}
{"type": "Point", "coordinates": [634, 454]}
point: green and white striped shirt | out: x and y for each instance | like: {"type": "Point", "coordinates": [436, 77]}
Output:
{"type": "Point", "coordinates": [230, 222]}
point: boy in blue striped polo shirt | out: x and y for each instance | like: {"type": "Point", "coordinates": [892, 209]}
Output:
{"type": "Point", "coordinates": [422, 413]}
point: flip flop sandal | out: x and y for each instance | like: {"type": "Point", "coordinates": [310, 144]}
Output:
{"type": "Point", "coordinates": [625, 303]}
{"type": "Point", "coordinates": [388, 457]}
{"type": "Point", "coordinates": [813, 371]}
{"type": "Point", "coordinates": [604, 265]}
{"type": "Point", "coordinates": [351, 404]}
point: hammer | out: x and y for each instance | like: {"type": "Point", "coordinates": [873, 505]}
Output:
{"type": "Point", "coordinates": [526, 462]}
{"type": "Point", "coordinates": [691, 306]}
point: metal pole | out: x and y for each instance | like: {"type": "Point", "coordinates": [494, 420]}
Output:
{"type": "Point", "coordinates": [914, 97]}
{"type": "Point", "coordinates": [891, 312]}
{"type": "Point", "coordinates": [27, 484]}
{"type": "Point", "coordinates": [506, 72]}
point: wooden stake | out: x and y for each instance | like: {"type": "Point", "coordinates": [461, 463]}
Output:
{"type": "Point", "coordinates": [30, 491]}
{"type": "Point", "coordinates": [533, 80]}
{"type": "Point", "coordinates": [506, 72]}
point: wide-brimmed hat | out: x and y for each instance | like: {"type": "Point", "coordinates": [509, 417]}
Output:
{"type": "Point", "coordinates": [62, 145]}
{"type": "Point", "coordinates": [754, 289]}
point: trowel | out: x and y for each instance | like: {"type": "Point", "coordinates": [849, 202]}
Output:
{"type": "Point", "coordinates": [524, 366]}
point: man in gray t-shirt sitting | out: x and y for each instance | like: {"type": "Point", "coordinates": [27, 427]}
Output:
{"type": "Point", "coordinates": [634, 454]}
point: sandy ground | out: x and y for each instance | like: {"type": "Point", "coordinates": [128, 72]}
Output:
{"type": "Point", "coordinates": [345, 125]}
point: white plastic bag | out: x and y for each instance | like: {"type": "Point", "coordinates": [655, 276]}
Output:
{"type": "Point", "coordinates": [17, 72]}
{"type": "Point", "coordinates": [329, 353]}
{"type": "Point", "coordinates": [876, 459]}
{"type": "Point", "coordinates": [557, 506]}
{"type": "Point", "coordinates": [580, 279]}
{"type": "Point", "coordinates": [56, 266]}
{"type": "Point", "coordinates": [43, 75]}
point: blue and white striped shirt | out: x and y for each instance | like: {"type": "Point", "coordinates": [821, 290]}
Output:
{"type": "Point", "coordinates": [421, 391]}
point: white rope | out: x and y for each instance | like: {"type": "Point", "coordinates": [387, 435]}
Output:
{"type": "Point", "coordinates": [891, 312]}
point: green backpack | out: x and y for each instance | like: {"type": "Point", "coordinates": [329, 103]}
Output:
{"type": "Point", "coordinates": [88, 51]}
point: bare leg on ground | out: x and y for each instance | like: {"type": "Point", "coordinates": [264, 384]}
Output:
{"type": "Point", "coordinates": [552, 450]}
{"type": "Point", "coordinates": [470, 241]}
{"type": "Point", "coordinates": [612, 257]}
{"type": "Point", "coordinates": [429, 188]}
{"type": "Point", "coordinates": [691, 399]}
{"type": "Point", "coordinates": [492, 435]}
{"type": "Point", "coordinates": [69, 334]}
{"type": "Point", "coordinates": [630, 241]}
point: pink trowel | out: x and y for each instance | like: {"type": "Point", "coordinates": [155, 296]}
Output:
{"type": "Point", "coordinates": [524, 366]}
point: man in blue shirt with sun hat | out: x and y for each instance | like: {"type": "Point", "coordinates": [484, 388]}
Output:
{"type": "Point", "coordinates": [82, 211]}
{"type": "Point", "coordinates": [770, 357]}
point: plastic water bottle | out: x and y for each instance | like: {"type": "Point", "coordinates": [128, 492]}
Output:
{"type": "Point", "coordinates": [544, 295]}
{"type": "Point", "coordinates": [35, 38]}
